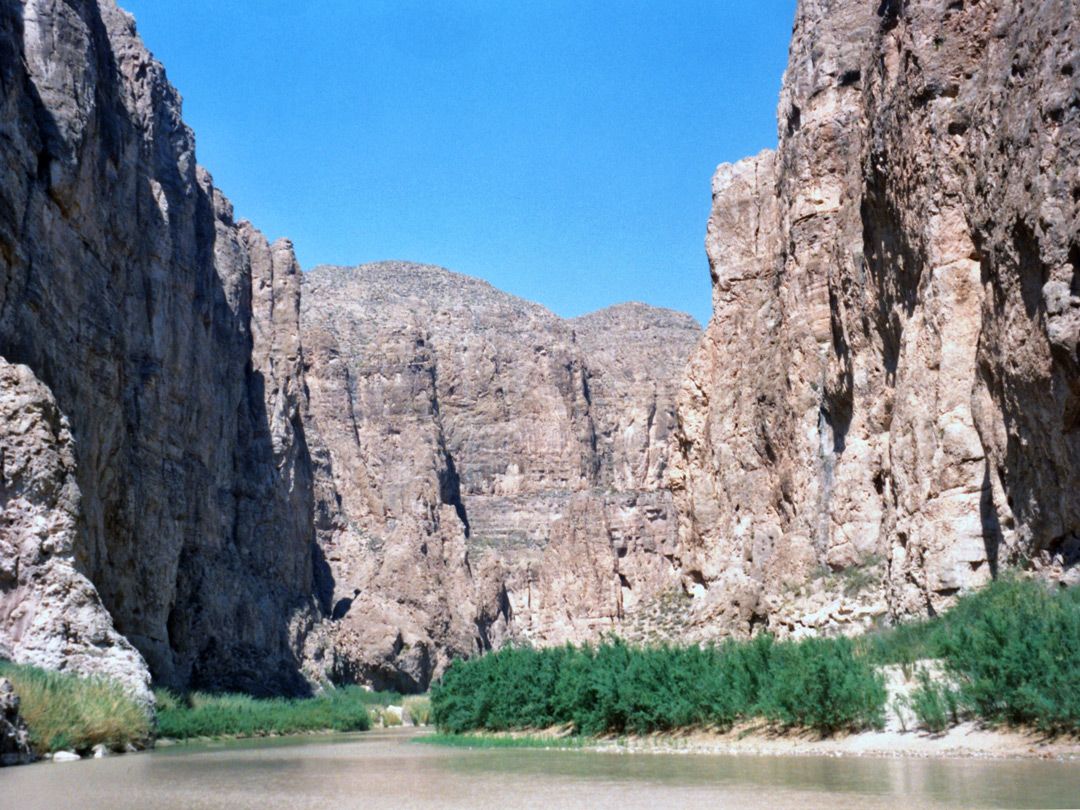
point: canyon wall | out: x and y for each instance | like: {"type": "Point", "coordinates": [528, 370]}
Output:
{"type": "Point", "coordinates": [485, 470]}
{"type": "Point", "coordinates": [885, 398]}
{"type": "Point", "coordinates": [166, 496]}
{"type": "Point", "coordinates": [230, 474]}
{"type": "Point", "coordinates": [469, 469]}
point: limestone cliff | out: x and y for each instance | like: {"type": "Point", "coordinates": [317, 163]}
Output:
{"type": "Point", "coordinates": [208, 476]}
{"type": "Point", "coordinates": [158, 341]}
{"type": "Point", "coordinates": [888, 386]}
{"type": "Point", "coordinates": [479, 469]}
{"type": "Point", "coordinates": [485, 470]}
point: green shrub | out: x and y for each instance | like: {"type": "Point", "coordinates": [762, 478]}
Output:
{"type": "Point", "coordinates": [613, 688]}
{"type": "Point", "coordinates": [819, 683]}
{"type": "Point", "coordinates": [902, 644]}
{"type": "Point", "coordinates": [1013, 648]}
{"type": "Point", "coordinates": [66, 711]}
{"type": "Point", "coordinates": [935, 704]}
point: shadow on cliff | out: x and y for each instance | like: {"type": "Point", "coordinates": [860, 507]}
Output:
{"type": "Point", "coordinates": [991, 526]}
{"type": "Point", "coordinates": [189, 564]}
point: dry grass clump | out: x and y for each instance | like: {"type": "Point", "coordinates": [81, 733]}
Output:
{"type": "Point", "coordinates": [67, 712]}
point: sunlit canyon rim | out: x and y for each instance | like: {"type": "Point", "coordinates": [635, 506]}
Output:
{"type": "Point", "coordinates": [220, 471]}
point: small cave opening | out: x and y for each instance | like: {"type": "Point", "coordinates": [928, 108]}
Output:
{"type": "Point", "coordinates": [794, 120]}
{"type": "Point", "coordinates": [1074, 263]}
{"type": "Point", "coordinates": [343, 606]}
{"type": "Point", "coordinates": [850, 77]}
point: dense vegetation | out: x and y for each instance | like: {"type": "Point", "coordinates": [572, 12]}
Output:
{"type": "Point", "coordinates": [204, 715]}
{"type": "Point", "coordinates": [615, 688]}
{"type": "Point", "coordinates": [1009, 653]}
{"type": "Point", "coordinates": [1012, 651]}
{"type": "Point", "coordinates": [64, 711]}
{"type": "Point", "coordinates": [491, 741]}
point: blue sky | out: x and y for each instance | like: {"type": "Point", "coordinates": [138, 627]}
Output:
{"type": "Point", "coordinates": [560, 150]}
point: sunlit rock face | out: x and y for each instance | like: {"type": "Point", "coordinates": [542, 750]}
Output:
{"type": "Point", "coordinates": [230, 475]}
{"type": "Point", "coordinates": [166, 334]}
{"type": "Point", "coordinates": [485, 470]}
{"type": "Point", "coordinates": [50, 614]}
{"type": "Point", "coordinates": [887, 391]}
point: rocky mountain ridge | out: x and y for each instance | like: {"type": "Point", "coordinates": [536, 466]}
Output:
{"type": "Point", "coordinates": [181, 493]}
{"type": "Point", "coordinates": [486, 470]}
{"type": "Point", "coordinates": [229, 474]}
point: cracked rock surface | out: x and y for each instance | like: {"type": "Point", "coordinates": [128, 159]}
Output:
{"type": "Point", "coordinates": [889, 381]}
{"type": "Point", "coordinates": [167, 334]}
{"type": "Point", "coordinates": [485, 470]}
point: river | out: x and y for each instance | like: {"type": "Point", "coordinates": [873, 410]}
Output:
{"type": "Point", "coordinates": [385, 770]}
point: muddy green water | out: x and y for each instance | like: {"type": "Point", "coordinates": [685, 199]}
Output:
{"type": "Point", "coordinates": [384, 770]}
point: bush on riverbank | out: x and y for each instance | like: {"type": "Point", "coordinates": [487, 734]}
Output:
{"type": "Point", "coordinates": [65, 711]}
{"type": "Point", "coordinates": [615, 688]}
{"type": "Point", "coordinates": [419, 709]}
{"type": "Point", "coordinates": [1010, 653]}
{"type": "Point", "coordinates": [1013, 651]}
{"type": "Point", "coordinates": [233, 715]}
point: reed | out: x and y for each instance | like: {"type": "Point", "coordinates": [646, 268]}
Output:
{"type": "Point", "coordinates": [198, 714]}
{"type": "Point", "coordinates": [614, 688]}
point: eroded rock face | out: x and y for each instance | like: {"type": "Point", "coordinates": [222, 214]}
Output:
{"type": "Point", "coordinates": [14, 736]}
{"type": "Point", "coordinates": [887, 382]}
{"type": "Point", "coordinates": [485, 470]}
{"type": "Point", "coordinates": [168, 335]}
{"type": "Point", "coordinates": [50, 614]}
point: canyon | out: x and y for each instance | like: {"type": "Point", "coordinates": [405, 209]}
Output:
{"type": "Point", "coordinates": [219, 471]}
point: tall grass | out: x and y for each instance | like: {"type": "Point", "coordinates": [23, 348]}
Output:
{"type": "Point", "coordinates": [615, 688]}
{"type": "Point", "coordinates": [419, 709]}
{"type": "Point", "coordinates": [232, 715]}
{"type": "Point", "coordinates": [65, 711]}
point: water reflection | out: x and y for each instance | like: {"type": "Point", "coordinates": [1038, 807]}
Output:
{"type": "Point", "coordinates": [383, 770]}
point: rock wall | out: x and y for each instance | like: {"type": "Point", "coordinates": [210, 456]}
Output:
{"type": "Point", "coordinates": [478, 468]}
{"type": "Point", "coordinates": [50, 613]}
{"type": "Point", "coordinates": [485, 470]}
{"type": "Point", "coordinates": [168, 335]}
{"type": "Point", "coordinates": [881, 413]}
{"type": "Point", "coordinates": [14, 735]}
{"type": "Point", "coordinates": [887, 387]}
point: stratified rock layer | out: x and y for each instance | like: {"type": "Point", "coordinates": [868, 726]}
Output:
{"type": "Point", "coordinates": [167, 334]}
{"type": "Point", "coordinates": [485, 470]}
{"type": "Point", "coordinates": [889, 382]}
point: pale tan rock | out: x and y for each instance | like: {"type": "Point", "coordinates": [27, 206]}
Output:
{"type": "Point", "coordinates": [50, 614]}
{"type": "Point", "coordinates": [896, 388]}
{"type": "Point", "coordinates": [485, 470]}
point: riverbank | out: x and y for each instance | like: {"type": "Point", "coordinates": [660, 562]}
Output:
{"type": "Point", "coordinates": [64, 717]}
{"type": "Point", "coordinates": [385, 769]}
{"type": "Point", "coordinates": [966, 740]}
{"type": "Point", "coordinates": [1007, 656]}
